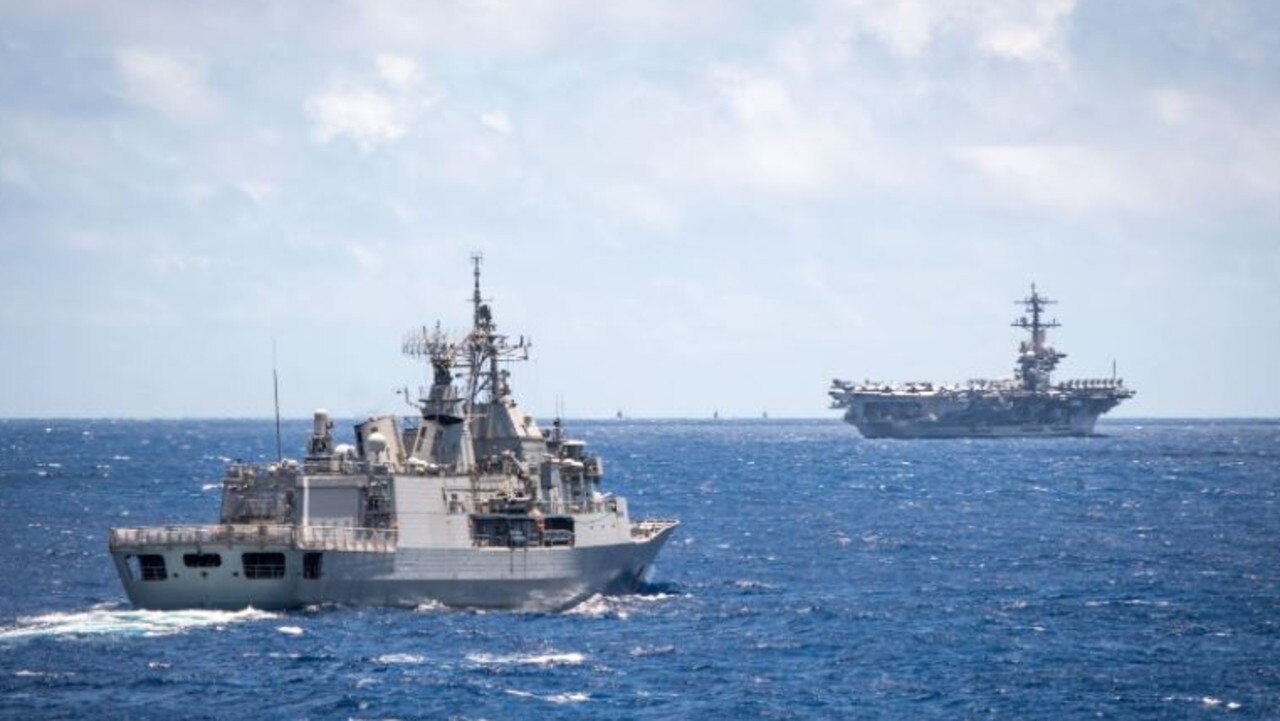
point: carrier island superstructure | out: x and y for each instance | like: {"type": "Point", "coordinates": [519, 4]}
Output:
{"type": "Point", "coordinates": [1028, 404]}
{"type": "Point", "coordinates": [467, 504]}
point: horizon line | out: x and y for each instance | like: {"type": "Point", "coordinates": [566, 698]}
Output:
{"type": "Point", "coordinates": [6, 419]}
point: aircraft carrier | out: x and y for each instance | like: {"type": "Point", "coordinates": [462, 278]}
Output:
{"type": "Point", "coordinates": [1029, 404]}
{"type": "Point", "coordinates": [469, 503]}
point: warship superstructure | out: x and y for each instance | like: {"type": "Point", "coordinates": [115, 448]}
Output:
{"type": "Point", "coordinates": [469, 503]}
{"type": "Point", "coordinates": [1028, 404]}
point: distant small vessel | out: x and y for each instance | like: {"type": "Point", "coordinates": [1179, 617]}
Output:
{"type": "Point", "coordinates": [1029, 404]}
{"type": "Point", "coordinates": [468, 504]}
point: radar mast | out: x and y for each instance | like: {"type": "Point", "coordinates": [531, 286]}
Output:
{"type": "Point", "coordinates": [1036, 359]}
{"type": "Point", "coordinates": [486, 348]}
{"type": "Point", "coordinates": [478, 354]}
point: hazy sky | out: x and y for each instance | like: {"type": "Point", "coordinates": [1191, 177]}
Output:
{"type": "Point", "coordinates": [690, 206]}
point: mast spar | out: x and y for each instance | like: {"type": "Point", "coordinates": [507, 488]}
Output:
{"type": "Point", "coordinates": [1036, 360]}
{"type": "Point", "coordinates": [478, 354]}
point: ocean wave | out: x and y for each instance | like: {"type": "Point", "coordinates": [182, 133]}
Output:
{"type": "Point", "coordinates": [28, 673]}
{"type": "Point", "coordinates": [430, 607]}
{"type": "Point", "coordinates": [1127, 602]}
{"type": "Point", "coordinates": [1208, 702]}
{"type": "Point", "coordinates": [558, 698]}
{"type": "Point", "coordinates": [571, 658]}
{"type": "Point", "coordinates": [598, 606]}
{"type": "Point", "coordinates": [643, 651]}
{"type": "Point", "coordinates": [105, 622]}
{"type": "Point", "coordinates": [399, 658]}
{"type": "Point", "coordinates": [620, 607]}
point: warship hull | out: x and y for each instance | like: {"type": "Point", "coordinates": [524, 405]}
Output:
{"type": "Point", "coordinates": [526, 579]}
{"type": "Point", "coordinates": [975, 415]}
{"type": "Point", "coordinates": [1080, 428]}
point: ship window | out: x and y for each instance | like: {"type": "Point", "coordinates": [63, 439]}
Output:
{"type": "Point", "coordinates": [557, 531]}
{"type": "Point", "coordinates": [501, 530]}
{"type": "Point", "coordinates": [311, 564]}
{"type": "Point", "coordinates": [151, 567]}
{"type": "Point", "coordinates": [201, 560]}
{"type": "Point", "coordinates": [263, 565]}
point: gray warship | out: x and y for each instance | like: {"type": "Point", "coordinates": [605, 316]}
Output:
{"type": "Point", "coordinates": [1028, 404]}
{"type": "Point", "coordinates": [467, 504]}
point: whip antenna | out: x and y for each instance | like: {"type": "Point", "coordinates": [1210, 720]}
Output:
{"type": "Point", "coordinates": [275, 389]}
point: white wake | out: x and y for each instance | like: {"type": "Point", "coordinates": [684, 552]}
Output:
{"type": "Point", "coordinates": [106, 622]}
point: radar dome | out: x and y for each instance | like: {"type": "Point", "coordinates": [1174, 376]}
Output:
{"type": "Point", "coordinates": [377, 442]}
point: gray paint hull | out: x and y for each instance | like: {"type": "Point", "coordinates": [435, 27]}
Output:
{"type": "Point", "coordinates": [978, 416]}
{"type": "Point", "coordinates": [532, 579]}
{"type": "Point", "coordinates": [1081, 427]}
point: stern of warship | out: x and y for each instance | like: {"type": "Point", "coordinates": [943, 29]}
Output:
{"type": "Point", "coordinates": [232, 566]}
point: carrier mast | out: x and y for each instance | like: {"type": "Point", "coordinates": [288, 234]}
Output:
{"type": "Point", "coordinates": [1036, 359]}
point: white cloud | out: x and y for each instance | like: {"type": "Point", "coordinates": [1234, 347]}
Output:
{"type": "Point", "coordinates": [904, 27]}
{"type": "Point", "coordinates": [1024, 30]}
{"type": "Point", "coordinates": [769, 142]}
{"type": "Point", "coordinates": [1068, 178]}
{"type": "Point", "coordinates": [175, 87]}
{"type": "Point", "coordinates": [81, 239]}
{"type": "Point", "coordinates": [170, 263]}
{"type": "Point", "coordinates": [15, 173]}
{"type": "Point", "coordinates": [498, 28]}
{"type": "Point", "coordinates": [639, 205]}
{"type": "Point", "coordinates": [656, 152]}
{"type": "Point", "coordinates": [366, 258]}
{"type": "Point", "coordinates": [1171, 107]}
{"type": "Point", "coordinates": [1027, 31]}
{"type": "Point", "coordinates": [496, 121]}
{"type": "Point", "coordinates": [398, 71]}
{"type": "Point", "coordinates": [368, 118]}
{"type": "Point", "coordinates": [256, 190]}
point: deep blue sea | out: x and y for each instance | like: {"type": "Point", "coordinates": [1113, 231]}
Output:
{"type": "Point", "coordinates": [815, 575]}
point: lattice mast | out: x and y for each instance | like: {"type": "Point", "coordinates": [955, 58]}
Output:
{"type": "Point", "coordinates": [1036, 359]}
{"type": "Point", "coordinates": [485, 348]}
{"type": "Point", "coordinates": [478, 355]}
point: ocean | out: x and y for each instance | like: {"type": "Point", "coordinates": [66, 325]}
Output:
{"type": "Point", "coordinates": [815, 575]}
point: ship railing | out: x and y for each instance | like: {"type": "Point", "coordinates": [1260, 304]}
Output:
{"type": "Point", "coordinates": [346, 538]}
{"type": "Point", "coordinates": [1076, 384]}
{"type": "Point", "coordinates": [608, 504]}
{"type": "Point", "coordinates": [334, 464]}
{"type": "Point", "coordinates": [318, 538]}
{"type": "Point", "coordinates": [648, 528]}
{"type": "Point", "coordinates": [208, 535]}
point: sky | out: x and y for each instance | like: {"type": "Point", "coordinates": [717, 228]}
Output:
{"type": "Point", "coordinates": [689, 206]}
